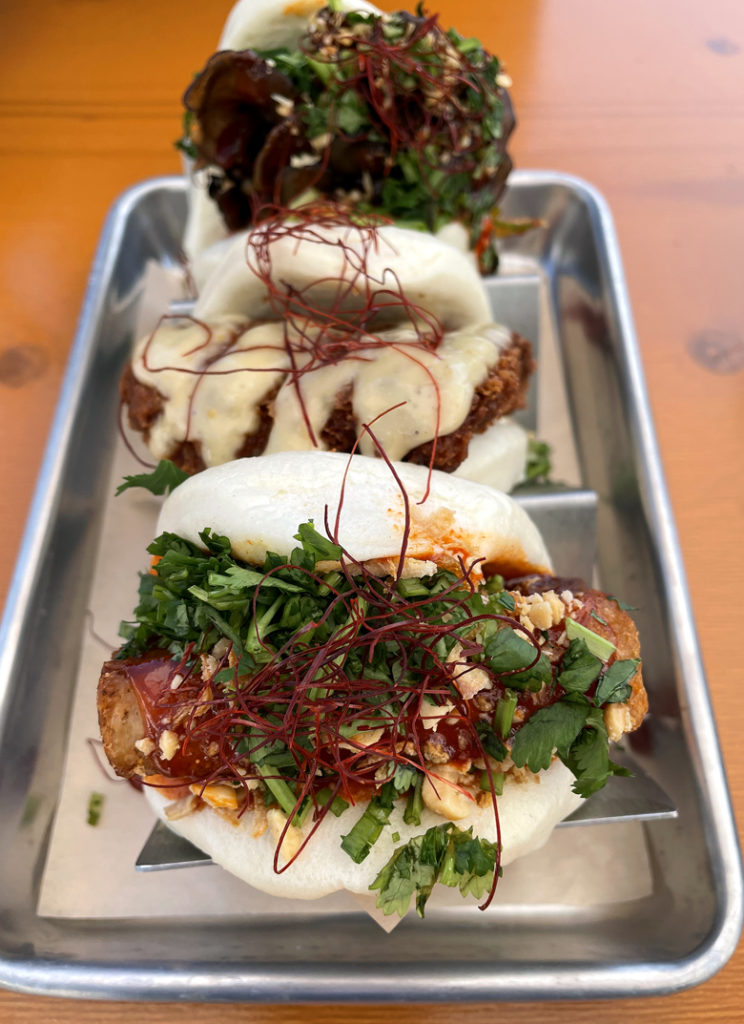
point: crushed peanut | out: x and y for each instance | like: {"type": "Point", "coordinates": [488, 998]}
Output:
{"type": "Point", "coordinates": [432, 713]}
{"type": "Point", "coordinates": [618, 720]}
{"type": "Point", "coordinates": [168, 743]}
{"type": "Point", "coordinates": [182, 807]}
{"type": "Point", "coordinates": [469, 679]}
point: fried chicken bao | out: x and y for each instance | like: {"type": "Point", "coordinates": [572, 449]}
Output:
{"type": "Point", "coordinates": [309, 327]}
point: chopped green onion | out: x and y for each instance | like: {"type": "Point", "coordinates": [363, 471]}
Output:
{"type": "Point", "coordinates": [504, 716]}
{"type": "Point", "coordinates": [412, 588]}
{"type": "Point", "coordinates": [415, 802]}
{"type": "Point", "coordinates": [301, 817]}
{"type": "Point", "coordinates": [365, 833]}
{"type": "Point", "coordinates": [338, 804]}
{"type": "Point", "coordinates": [495, 584]}
{"type": "Point", "coordinates": [498, 782]}
{"type": "Point", "coordinates": [597, 644]}
{"type": "Point", "coordinates": [95, 806]}
{"type": "Point", "coordinates": [279, 789]}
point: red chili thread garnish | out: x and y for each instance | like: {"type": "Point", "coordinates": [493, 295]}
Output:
{"type": "Point", "coordinates": [329, 319]}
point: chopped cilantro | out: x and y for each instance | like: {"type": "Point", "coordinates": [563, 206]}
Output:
{"type": "Point", "coordinates": [490, 741]}
{"type": "Point", "coordinates": [454, 173]}
{"type": "Point", "coordinates": [316, 544]}
{"type": "Point", "coordinates": [164, 478]}
{"type": "Point", "coordinates": [443, 854]}
{"type": "Point", "coordinates": [507, 651]}
{"type": "Point", "coordinates": [404, 778]}
{"type": "Point", "coordinates": [589, 759]}
{"type": "Point", "coordinates": [552, 728]}
{"type": "Point", "coordinates": [195, 596]}
{"type": "Point", "coordinates": [533, 678]}
{"type": "Point", "coordinates": [614, 686]}
{"type": "Point", "coordinates": [538, 467]}
{"type": "Point", "coordinates": [579, 668]}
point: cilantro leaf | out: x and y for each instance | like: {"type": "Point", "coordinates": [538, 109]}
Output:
{"type": "Point", "coordinates": [405, 777]}
{"type": "Point", "coordinates": [506, 651]}
{"type": "Point", "coordinates": [316, 544]}
{"type": "Point", "coordinates": [351, 113]}
{"type": "Point", "coordinates": [552, 728]}
{"type": "Point", "coordinates": [164, 478]}
{"type": "Point", "coordinates": [533, 678]}
{"type": "Point", "coordinates": [444, 854]}
{"type": "Point", "coordinates": [589, 758]}
{"type": "Point", "coordinates": [538, 467]}
{"type": "Point", "coordinates": [614, 686]}
{"type": "Point", "coordinates": [505, 599]}
{"type": "Point", "coordinates": [579, 668]}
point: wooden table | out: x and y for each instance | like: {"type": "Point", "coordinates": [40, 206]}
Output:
{"type": "Point", "coordinates": [645, 100]}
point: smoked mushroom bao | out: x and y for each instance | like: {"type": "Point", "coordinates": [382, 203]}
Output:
{"type": "Point", "coordinates": [389, 113]}
{"type": "Point", "coordinates": [313, 323]}
{"type": "Point", "coordinates": [346, 673]}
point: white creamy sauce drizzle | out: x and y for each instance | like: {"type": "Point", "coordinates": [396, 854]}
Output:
{"type": "Point", "coordinates": [426, 383]}
{"type": "Point", "coordinates": [217, 408]}
{"type": "Point", "coordinates": [183, 362]}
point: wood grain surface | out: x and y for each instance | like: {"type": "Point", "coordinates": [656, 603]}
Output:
{"type": "Point", "coordinates": [644, 98]}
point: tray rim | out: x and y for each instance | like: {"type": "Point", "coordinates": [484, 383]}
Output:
{"type": "Point", "coordinates": [324, 982]}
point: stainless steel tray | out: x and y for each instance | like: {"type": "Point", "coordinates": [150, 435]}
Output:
{"type": "Point", "coordinates": [678, 936]}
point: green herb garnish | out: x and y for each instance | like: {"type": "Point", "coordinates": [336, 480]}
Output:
{"type": "Point", "coordinates": [95, 808]}
{"type": "Point", "coordinates": [164, 478]}
{"type": "Point", "coordinates": [368, 828]}
{"type": "Point", "coordinates": [614, 686]}
{"type": "Point", "coordinates": [443, 854]}
{"type": "Point", "coordinates": [597, 644]}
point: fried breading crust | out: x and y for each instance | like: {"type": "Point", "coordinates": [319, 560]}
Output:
{"type": "Point", "coordinates": [501, 393]}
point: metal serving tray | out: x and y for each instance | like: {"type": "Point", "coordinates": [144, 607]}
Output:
{"type": "Point", "coordinates": [677, 936]}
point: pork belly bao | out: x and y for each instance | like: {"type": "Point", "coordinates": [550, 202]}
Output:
{"type": "Point", "coordinates": [353, 674]}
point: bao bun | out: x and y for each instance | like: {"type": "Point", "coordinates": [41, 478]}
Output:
{"type": "Point", "coordinates": [528, 812]}
{"type": "Point", "coordinates": [258, 503]}
{"type": "Point", "coordinates": [397, 261]}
